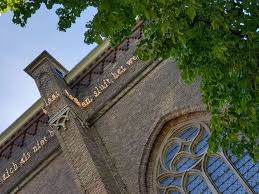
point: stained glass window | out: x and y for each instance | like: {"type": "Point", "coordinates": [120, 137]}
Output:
{"type": "Point", "coordinates": [183, 166]}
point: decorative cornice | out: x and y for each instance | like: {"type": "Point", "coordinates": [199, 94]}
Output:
{"type": "Point", "coordinates": [29, 130]}
{"type": "Point", "coordinates": [94, 61]}
{"type": "Point", "coordinates": [87, 61]}
{"type": "Point", "coordinates": [36, 108]}
{"type": "Point", "coordinates": [21, 121]}
{"type": "Point", "coordinates": [85, 78]}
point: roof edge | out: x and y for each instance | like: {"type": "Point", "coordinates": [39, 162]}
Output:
{"type": "Point", "coordinates": [86, 61]}
{"type": "Point", "coordinates": [39, 59]}
{"type": "Point", "coordinates": [23, 119]}
{"type": "Point", "coordinates": [70, 76]}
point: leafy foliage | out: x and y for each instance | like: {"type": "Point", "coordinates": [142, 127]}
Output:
{"type": "Point", "coordinates": [217, 40]}
{"type": "Point", "coordinates": [6, 5]}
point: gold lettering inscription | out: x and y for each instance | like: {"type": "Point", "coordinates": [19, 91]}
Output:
{"type": "Point", "coordinates": [53, 97]}
{"type": "Point", "coordinates": [44, 110]}
{"type": "Point", "coordinates": [99, 89]}
{"type": "Point", "coordinates": [132, 60]}
{"type": "Point", "coordinates": [25, 157]}
{"type": "Point", "coordinates": [39, 144]}
{"type": "Point", "coordinates": [72, 98]}
{"type": "Point", "coordinates": [9, 171]}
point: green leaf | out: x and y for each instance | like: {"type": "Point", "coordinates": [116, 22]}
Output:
{"type": "Point", "coordinates": [211, 48]}
{"type": "Point", "coordinates": [190, 11]}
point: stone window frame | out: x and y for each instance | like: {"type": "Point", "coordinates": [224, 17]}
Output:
{"type": "Point", "coordinates": [172, 127]}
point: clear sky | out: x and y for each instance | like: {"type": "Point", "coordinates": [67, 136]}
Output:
{"type": "Point", "coordinates": [19, 46]}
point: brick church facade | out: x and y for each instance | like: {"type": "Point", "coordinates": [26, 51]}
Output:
{"type": "Point", "coordinates": [116, 124]}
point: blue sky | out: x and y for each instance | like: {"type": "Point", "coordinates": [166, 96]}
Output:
{"type": "Point", "coordinates": [19, 46]}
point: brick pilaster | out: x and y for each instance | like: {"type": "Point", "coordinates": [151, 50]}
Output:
{"type": "Point", "coordinates": [81, 145]}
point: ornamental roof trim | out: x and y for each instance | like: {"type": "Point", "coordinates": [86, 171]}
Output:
{"type": "Point", "coordinates": [100, 55]}
{"type": "Point", "coordinates": [70, 76]}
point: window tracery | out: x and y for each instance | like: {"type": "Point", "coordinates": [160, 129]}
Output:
{"type": "Point", "coordinates": [184, 166]}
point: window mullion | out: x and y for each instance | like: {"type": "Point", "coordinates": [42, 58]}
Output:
{"type": "Point", "coordinates": [206, 176]}
{"type": "Point", "coordinates": [237, 173]}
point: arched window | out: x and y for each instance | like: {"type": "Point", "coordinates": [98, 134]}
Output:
{"type": "Point", "coordinates": [182, 165]}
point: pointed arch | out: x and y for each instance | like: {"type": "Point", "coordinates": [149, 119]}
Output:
{"type": "Point", "coordinates": [177, 161]}
{"type": "Point", "coordinates": [175, 117]}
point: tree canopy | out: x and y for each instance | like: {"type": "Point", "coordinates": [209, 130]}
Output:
{"type": "Point", "coordinates": [216, 40]}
